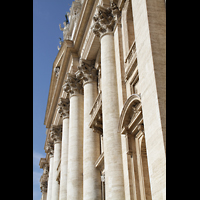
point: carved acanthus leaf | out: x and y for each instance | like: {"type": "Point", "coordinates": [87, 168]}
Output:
{"type": "Point", "coordinates": [43, 186]}
{"type": "Point", "coordinates": [86, 71]}
{"type": "Point", "coordinates": [105, 19]}
{"type": "Point", "coordinates": [56, 133]}
{"type": "Point", "coordinates": [73, 84]}
{"type": "Point", "coordinates": [50, 148]}
{"type": "Point", "coordinates": [63, 108]}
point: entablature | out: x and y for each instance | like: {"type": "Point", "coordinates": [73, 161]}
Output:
{"type": "Point", "coordinates": [90, 43]}
{"type": "Point", "coordinates": [65, 52]}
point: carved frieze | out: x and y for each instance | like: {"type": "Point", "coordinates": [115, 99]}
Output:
{"type": "Point", "coordinates": [74, 13]}
{"type": "Point", "coordinates": [105, 19]}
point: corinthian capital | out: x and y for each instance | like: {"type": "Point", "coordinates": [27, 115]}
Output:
{"type": "Point", "coordinates": [50, 148]}
{"type": "Point", "coordinates": [43, 184]}
{"type": "Point", "coordinates": [73, 85]}
{"type": "Point", "coordinates": [44, 165]}
{"type": "Point", "coordinates": [56, 133]}
{"type": "Point", "coordinates": [104, 20]}
{"type": "Point", "coordinates": [86, 71]}
{"type": "Point", "coordinates": [63, 108]}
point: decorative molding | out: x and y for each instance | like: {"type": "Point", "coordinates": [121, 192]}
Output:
{"type": "Point", "coordinates": [44, 182]}
{"type": "Point", "coordinates": [50, 148]}
{"type": "Point", "coordinates": [141, 127]}
{"type": "Point", "coordinates": [43, 185]}
{"type": "Point", "coordinates": [131, 115]}
{"type": "Point", "coordinates": [73, 85]}
{"type": "Point", "coordinates": [105, 19]}
{"type": "Point", "coordinates": [56, 133]}
{"type": "Point", "coordinates": [44, 165]}
{"type": "Point", "coordinates": [140, 133]}
{"type": "Point", "coordinates": [86, 71]}
{"type": "Point", "coordinates": [57, 70]}
{"type": "Point", "coordinates": [74, 13]}
{"type": "Point", "coordinates": [63, 108]}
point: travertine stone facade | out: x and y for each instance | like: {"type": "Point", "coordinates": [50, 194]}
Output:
{"type": "Point", "coordinates": [105, 115]}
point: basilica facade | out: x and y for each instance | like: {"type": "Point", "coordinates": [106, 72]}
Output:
{"type": "Point", "coordinates": [106, 111]}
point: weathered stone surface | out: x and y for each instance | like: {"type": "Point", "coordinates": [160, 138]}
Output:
{"type": "Point", "coordinates": [105, 117]}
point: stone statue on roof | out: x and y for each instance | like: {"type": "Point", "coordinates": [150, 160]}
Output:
{"type": "Point", "coordinates": [65, 30]}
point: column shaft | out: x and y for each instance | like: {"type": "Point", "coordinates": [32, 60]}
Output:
{"type": "Point", "coordinates": [49, 190]}
{"type": "Point", "coordinates": [64, 160]}
{"type": "Point", "coordinates": [91, 149]}
{"type": "Point", "coordinates": [112, 140]}
{"type": "Point", "coordinates": [44, 196]}
{"type": "Point", "coordinates": [75, 150]}
{"type": "Point", "coordinates": [55, 185]}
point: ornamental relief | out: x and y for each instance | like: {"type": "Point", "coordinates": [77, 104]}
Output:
{"type": "Point", "coordinates": [105, 19]}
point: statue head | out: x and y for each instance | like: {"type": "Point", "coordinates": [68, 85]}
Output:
{"type": "Point", "coordinates": [64, 23]}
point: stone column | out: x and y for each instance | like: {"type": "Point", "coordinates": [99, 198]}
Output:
{"type": "Point", "coordinates": [75, 150]}
{"type": "Point", "coordinates": [56, 131]}
{"type": "Point", "coordinates": [44, 178]}
{"type": "Point", "coordinates": [91, 148]}
{"type": "Point", "coordinates": [64, 111]}
{"type": "Point", "coordinates": [103, 26]}
{"type": "Point", "coordinates": [50, 151]}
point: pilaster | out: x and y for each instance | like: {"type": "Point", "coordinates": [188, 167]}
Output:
{"type": "Point", "coordinates": [151, 57]}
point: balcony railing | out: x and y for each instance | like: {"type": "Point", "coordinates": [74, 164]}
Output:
{"type": "Point", "coordinates": [131, 54]}
{"type": "Point", "coordinates": [100, 162]}
{"type": "Point", "coordinates": [97, 104]}
{"type": "Point", "coordinates": [96, 117]}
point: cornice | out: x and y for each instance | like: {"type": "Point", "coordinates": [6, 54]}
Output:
{"type": "Point", "coordinates": [130, 112]}
{"type": "Point", "coordinates": [85, 13]}
{"type": "Point", "coordinates": [89, 37]}
{"type": "Point", "coordinates": [56, 82]}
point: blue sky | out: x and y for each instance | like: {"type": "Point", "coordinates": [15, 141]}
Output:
{"type": "Point", "coordinates": [47, 15]}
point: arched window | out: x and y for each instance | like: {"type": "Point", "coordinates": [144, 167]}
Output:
{"type": "Point", "coordinates": [131, 126]}
{"type": "Point", "coordinates": [131, 36]}
{"type": "Point", "coordinates": [127, 28]}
